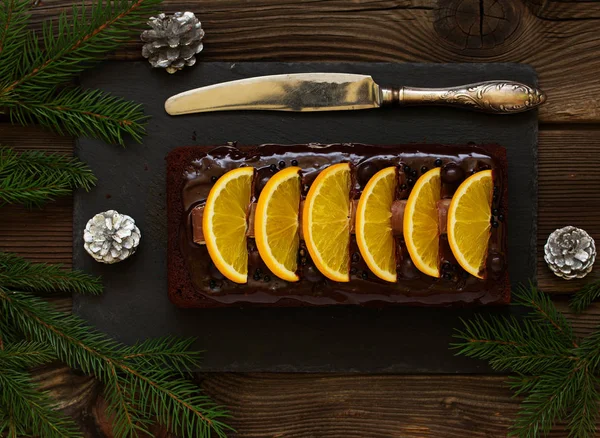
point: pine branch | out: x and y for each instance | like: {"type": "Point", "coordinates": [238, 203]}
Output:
{"type": "Point", "coordinates": [81, 113]}
{"type": "Point", "coordinates": [522, 384]}
{"type": "Point", "coordinates": [556, 373]}
{"type": "Point", "coordinates": [18, 273]}
{"type": "Point", "coordinates": [508, 344]}
{"type": "Point", "coordinates": [9, 424]}
{"type": "Point", "coordinates": [545, 312]}
{"type": "Point", "coordinates": [75, 42]}
{"type": "Point", "coordinates": [584, 297]}
{"type": "Point", "coordinates": [32, 83]}
{"type": "Point", "coordinates": [128, 419]}
{"type": "Point", "coordinates": [8, 333]}
{"type": "Point", "coordinates": [13, 37]}
{"type": "Point", "coordinates": [31, 408]}
{"type": "Point", "coordinates": [25, 355]}
{"type": "Point", "coordinates": [39, 163]}
{"type": "Point", "coordinates": [582, 419]}
{"type": "Point", "coordinates": [590, 350]}
{"type": "Point", "coordinates": [32, 177]}
{"type": "Point", "coordinates": [178, 404]}
{"type": "Point", "coordinates": [161, 392]}
{"type": "Point", "coordinates": [542, 408]}
{"type": "Point", "coordinates": [169, 352]}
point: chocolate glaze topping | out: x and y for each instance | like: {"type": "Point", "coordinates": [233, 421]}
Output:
{"type": "Point", "coordinates": [195, 282]}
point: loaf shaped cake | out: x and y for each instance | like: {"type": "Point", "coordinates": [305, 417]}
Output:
{"type": "Point", "coordinates": [196, 281]}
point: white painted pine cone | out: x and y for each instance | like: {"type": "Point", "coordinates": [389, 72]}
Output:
{"type": "Point", "coordinates": [110, 237]}
{"type": "Point", "coordinates": [174, 40]}
{"type": "Point", "coordinates": [570, 252]}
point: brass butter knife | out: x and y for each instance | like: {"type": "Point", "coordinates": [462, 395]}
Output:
{"type": "Point", "coordinates": [342, 91]}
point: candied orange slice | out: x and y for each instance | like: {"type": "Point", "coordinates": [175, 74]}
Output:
{"type": "Point", "coordinates": [421, 230]}
{"type": "Point", "coordinates": [276, 223]}
{"type": "Point", "coordinates": [469, 218]}
{"type": "Point", "coordinates": [326, 222]}
{"type": "Point", "coordinates": [374, 224]}
{"type": "Point", "coordinates": [225, 223]}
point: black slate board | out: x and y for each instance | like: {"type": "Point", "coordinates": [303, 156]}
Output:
{"type": "Point", "coordinates": [132, 180]}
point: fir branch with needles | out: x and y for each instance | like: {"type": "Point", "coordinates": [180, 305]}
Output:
{"type": "Point", "coordinates": [37, 70]}
{"type": "Point", "coordinates": [28, 410]}
{"type": "Point", "coordinates": [25, 354]}
{"type": "Point", "coordinates": [586, 296]}
{"type": "Point", "coordinates": [33, 177]}
{"type": "Point", "coordinates": [556, 372]}
{"type": "Point", "coordinates": [144, 383]}
{"type": "Point", "coordinates": [17, 273]}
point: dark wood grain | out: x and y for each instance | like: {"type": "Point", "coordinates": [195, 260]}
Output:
{"type": "Point", "coordinates": [296, 405]}
{"type": "Point", "coordinates": [40, 234]}
{"type": "Point", "coordinates": [569, 172]}
{"type": "Point", "coordinates": [560, 39]}
{"type": "Point", "coordinates": [325, 405]}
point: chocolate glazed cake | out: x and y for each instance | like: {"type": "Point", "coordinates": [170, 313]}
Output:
{"type": "Point", "coordinates": [195, 282]}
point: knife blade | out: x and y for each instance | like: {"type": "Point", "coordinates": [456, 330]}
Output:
{"type": "Point", "coordinates": [343, 91]}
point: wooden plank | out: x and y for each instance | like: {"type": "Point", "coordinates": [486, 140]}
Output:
{"type": "Point", "coordinates": [326, 405]}
{"type": "Point", "coordinates": [561, 40]}
{"type": "Point", "coordinates": [565, 10]}
{"type": "Point", "coordinates": [72, 390]}
{"type": "Point", "coordinates": [569, 173]}
{"type": "Point", "coordinates": [40, 234]}
{"type": "Point", "coordinates": [34, 138]}
{"type": "Point", "coordinates": [297, 405]}
{"type": "Point", "coordinates": [583, 323]}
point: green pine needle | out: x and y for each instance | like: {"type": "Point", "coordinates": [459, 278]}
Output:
{"type": "Point", "coordinates": [23, 403]}
{"type": "Point", "coordinates": [144, 383]}
{"type": "Point", "coordinates": [32, 177]}
{"type": "Point", "coordinates": [34, 69]}
{"type": "Point", "coordinates": [555, 372]}
{"type": "Point", "coordinates": [75, 41]}
{"type": "Point", "coordinates": [521, 384]}
{"type": "Point", "coordinates": [14, 16]}
{"type": "Point", "coordinates": [545, 312]}
{"type": "Point", "coordinates": [17, 273]}
{"type": "Point", "coordinates": [82, 113]}
{"type": "Point", "coordinates": [139, 386]}
{"type": "Point", "coordinates": [584, 415]}
{"type": "Point", "coordinates": [590, 350]}
{"type": "Point", "coordinates": [179, 405]}
{"type": "Point", "coordinates": [173, 353]}
{"type": "Point", "coordinates": [25, 355]}
{"type": "Point", "coordinates": [542, 408]}
{"type": "Point", "coordinates": [584, 297]}
{"type": "Point", "coordinates": [128, 419]}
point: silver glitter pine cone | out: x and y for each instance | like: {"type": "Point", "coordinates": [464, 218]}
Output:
{"type": "Point", "coordinates": [111, 237]}
{"type": "Point", "coordinates": [173, 41]}
{"type": "Point", "coordinates": [570, 252]}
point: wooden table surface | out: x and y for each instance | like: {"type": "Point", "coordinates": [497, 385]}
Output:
{"type": "Point", "coordinates": [561, 39]}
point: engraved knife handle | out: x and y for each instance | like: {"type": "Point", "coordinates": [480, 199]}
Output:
{"type": "Point", "coordinates": [497, 97]}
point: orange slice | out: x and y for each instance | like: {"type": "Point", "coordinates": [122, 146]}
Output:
{"type": "Point", "coordinates": [469, 218]}
{"type": "Point", "coordinates": [421, 230]}
{"type": "Point", "coordinates": [326, 222]}
{"type": "Point", "coordinates": [225, 224]}
{"type": "Point", "coordinates": [374, 224]}
{"type": "Point", "coordinates": [276, 223]}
